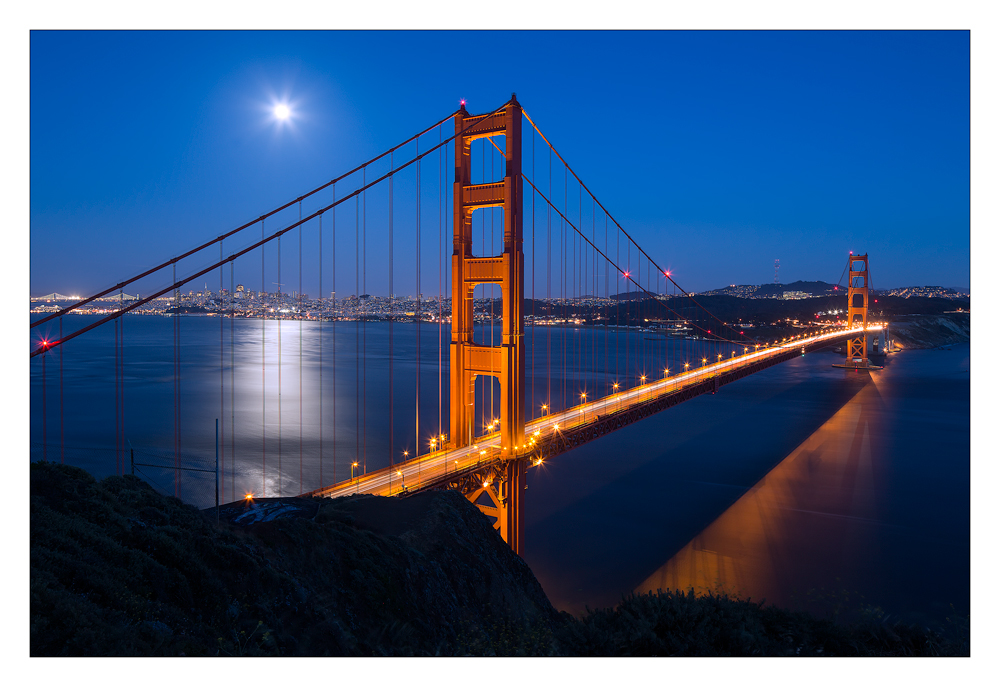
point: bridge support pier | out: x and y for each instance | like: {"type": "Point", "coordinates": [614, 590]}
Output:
{"type": "Point", "coordinates": [469, 359]}
{"type": "Point", "coordinates": [496, 489]}
{"type": "Point", "coordinates": [857, 312]}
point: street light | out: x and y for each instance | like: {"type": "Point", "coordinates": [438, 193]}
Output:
{"type": "Point", "coordinates": [354, 465]}
{"type": "Point", "coordinates": [545, 409]}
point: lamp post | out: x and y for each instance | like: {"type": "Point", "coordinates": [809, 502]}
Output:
{"type": "Point", "coordinates": [354, 465]}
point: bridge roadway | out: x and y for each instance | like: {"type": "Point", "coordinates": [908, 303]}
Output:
{"type": "Point", "coordinates": [438, 465]}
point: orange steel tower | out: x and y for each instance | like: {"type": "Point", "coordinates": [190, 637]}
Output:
{"type": "Point", "coordinates": [469, 359]}
{"type": "Point", "coordinates": [857, 310]}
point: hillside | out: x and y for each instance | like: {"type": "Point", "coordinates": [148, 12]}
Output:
{"type": "Point", "coordinates": [120, 570]}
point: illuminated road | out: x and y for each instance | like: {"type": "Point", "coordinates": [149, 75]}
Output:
{"type": "Point", "coordinates": [431, 467]}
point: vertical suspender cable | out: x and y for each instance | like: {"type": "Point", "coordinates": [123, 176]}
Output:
{"type": "Point", "coordinates": [278, 319]}
{"type": "Point", "coordinates": [177, 423]}
{"type": "Point", "coordinates": [548, 289]}
{"type": "Point", "coordinates": [357, 329]}
{"type": "Point", "coordinates": [440, 285]}
{"type": "Point", "coordinates": [263, 372]}
{"type": "Point", "coordinates": [562, 235]}
{"type": "Point", "coordinates": [232, 384]}
{"type": "Point", "coordinates": [364, 322]}
{"type": "Point", "coordinates": [333, 329]}
{"type": "Point", "coordinates": [416, 423]}
{"type": "Point", "coordinates": [299, 315]}
{"type": "Point", "coordinates": [392, 316]}
{"type": "Point", "coordinates": [222, 385]}
{"type": "Point", "coordinates": [319, 293]}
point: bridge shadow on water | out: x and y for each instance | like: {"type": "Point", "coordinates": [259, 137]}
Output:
{"type": "Point", "coordinates": [804, 486]}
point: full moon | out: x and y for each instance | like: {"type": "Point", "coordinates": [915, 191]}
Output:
{"type": "Point", "coordinates": [282, 112]}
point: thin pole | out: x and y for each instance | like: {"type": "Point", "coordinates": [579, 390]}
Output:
{"type": "Point", "coordinates": [216, 469]}
{"type": "Point", "coordinates": [62, 427]}
{"type": "Point", "coordinates": [44, 454]}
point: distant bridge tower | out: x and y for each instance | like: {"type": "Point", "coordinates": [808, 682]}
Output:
{"type": "Point", "coordinates": [469, 359]}
{"type": "Point", "coordinates": [857, 310]}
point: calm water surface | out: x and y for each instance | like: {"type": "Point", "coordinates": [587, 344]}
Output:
{"type": "Point", "coordinates": [805, 485]}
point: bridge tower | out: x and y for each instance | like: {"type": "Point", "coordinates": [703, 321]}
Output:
{"type": "Point", "coordinates": [857, 310]}
{"type": "Point", "coordinates": [469, 359]}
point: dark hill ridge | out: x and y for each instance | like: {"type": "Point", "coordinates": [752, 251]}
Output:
{"type": "Point", "coordinates": [120, 570]}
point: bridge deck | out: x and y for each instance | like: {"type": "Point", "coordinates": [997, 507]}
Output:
{"type": "Point", "coordinates": [438, 466]}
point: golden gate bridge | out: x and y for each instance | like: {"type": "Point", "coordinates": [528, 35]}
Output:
{"type": "Point", "coordinates": [491, 425]}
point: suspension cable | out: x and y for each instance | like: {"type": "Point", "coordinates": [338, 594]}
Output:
{"type": "Point", "coordinates": [287, 205]}
{"type": "Point", "coordinates": [177, 284]}
{"type": "Point", "coordinates": [625, 273]}
{"type": "Point", "coordinates": [661, 270]}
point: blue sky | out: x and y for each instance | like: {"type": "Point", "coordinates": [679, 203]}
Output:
{"type": "Point", "coordinates": [718, 151]}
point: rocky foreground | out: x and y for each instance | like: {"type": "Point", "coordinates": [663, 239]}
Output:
{"type": "Point", "coordinates": [120, 570]}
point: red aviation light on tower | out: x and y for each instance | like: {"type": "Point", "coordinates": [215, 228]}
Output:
{"type": "Point", "coordinates": [626, 273]}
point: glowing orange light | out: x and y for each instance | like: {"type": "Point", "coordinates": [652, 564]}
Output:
{"type": "Point", "coordinates": [249, 497]}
